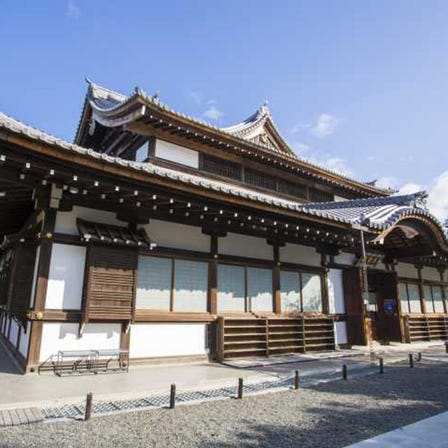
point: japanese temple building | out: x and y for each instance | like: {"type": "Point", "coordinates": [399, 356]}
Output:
{"type": "Point", "coordinates": [167, 237]}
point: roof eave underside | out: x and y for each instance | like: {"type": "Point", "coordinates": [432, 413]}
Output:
{"type": "Point", "coordinates": [301, 211]}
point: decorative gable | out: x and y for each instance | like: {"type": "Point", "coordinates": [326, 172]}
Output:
{"type": "Point", "coordinates": [260, 129]}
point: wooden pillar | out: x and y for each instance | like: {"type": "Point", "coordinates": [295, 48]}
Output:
{"type": "Point", "coordinates": [213, 276]}
{"type": "Point", "coordinates": [276, 280]}
{"type": "Point", "coordinates": [421, 289]}
{"type": "Point", "coordinates": [441, 272]}
{"type": "Point", "coordinates": [43, 271]}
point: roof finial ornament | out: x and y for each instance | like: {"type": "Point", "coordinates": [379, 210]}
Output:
{"type": "Point", "coordinates": [419, 200]}
{"type": "Point", "coordinates": [155, 96]}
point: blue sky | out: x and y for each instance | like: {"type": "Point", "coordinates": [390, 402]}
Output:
{"type": "Point", "coordinates": [361, 86]}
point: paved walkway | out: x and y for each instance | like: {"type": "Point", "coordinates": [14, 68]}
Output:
{"type": "Point", "coordinates": [18, 390]}
{"type": "Point", "coordinates": [431, 432]}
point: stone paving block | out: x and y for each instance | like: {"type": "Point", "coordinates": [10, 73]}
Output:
{"type": "Point", "coordinates": [13, 417]}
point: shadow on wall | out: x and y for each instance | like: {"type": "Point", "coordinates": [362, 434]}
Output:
{"type": "Point", "coordinates": [7, 365]}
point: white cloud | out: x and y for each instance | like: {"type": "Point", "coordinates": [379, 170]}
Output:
{"type": "Point", "coordinates": [300, 148]}
{"type": "Point", "coordinates": [340, 165]}
{"type": "Point", "coordinates": [387, 182]}
{"type": "Point", "coordinates": [437, 194]}
{"type": "Point", "coordinates": [213, 113]}
{"type": "Point", "coordinates": [195, 96]}
{"type": "Point", "coordinates": [72, 10]}
{"type": "Point", "coordinates": [325, 125]}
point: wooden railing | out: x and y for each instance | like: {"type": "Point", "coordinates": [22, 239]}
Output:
{"type": "Point", "coordinates": [252, 337]}
{"type": "Point", "coordinates": [425, 328]}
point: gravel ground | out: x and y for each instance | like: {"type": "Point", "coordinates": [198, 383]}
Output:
{"type": "Point", "coordinates": [328, 415]}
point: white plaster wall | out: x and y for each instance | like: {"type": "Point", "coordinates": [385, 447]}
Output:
{"type": "Point", "coordinates": [345, 258]}
{"type": "Point", "coordinates": [336, 291]}
{"type": "Point", "coordinates": [66, 221]}
{"type": "Point", "coordinates": [294, 253]}
{"type": "Point", "coordinates": [14, 333]}
{"type": "Point", "coordinates": [339, 198]}
{"type": "Point", "coordinates": [176, 153]}
{"type": "Point", "coordinates": [406, 270]}
{"type": "Point", "coordinates": [66, 277]}
{"type": "Point", "coordinates": [340, 332]}
{"type": "Point", "coordinates": [431, 274]}
{"type": "Point", "coordinates": [157, 340]}
{"type": "Point", "coordinates": [177, 236]}
{"type": "Point", "coordinates": [64, 336]}
{"type": "Point", "coordinates": [24, 340]}
{"type": "Point", "coordinates": [245, 246]}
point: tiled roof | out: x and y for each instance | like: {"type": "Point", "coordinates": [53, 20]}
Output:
{"type": "Point", "coordinates": [106, 101]}
{"type": "Point", "coordinates": [254, 129]}
{"type": "Point", "coordinates": [112, 234]}
{"type": "Point", "coordinates": [375, 213]}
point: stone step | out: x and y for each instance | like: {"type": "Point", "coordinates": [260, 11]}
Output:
{"type": "Point", "coordinates": [23, 416]}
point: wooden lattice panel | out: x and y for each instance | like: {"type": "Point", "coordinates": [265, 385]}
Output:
{"type": "Point", "coordinates": [110, 288]}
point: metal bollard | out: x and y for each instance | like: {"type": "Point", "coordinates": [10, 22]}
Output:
{"type": "Point", "coordinates": [89, 400]}
{"type": "Point", "coordinates": [419, 356]}
{"type": "Point", "coordinates": [381, 365]}
{"type": "Point", "coordinates": [344, 372]}
{"type": "Point", "coordinates": [172, 396]}
{"type": "Point", "coordinates": [446, 347]}
{"type": "Point", "coordinates": [296, 380]}
{"type": "Point", "coordinates": [240, 388]}
{"type": "Point", "coordinates": [411, 361]}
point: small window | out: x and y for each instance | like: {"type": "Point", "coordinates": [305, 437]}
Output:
{"type": "Point", "coordinates": [290, 291]}
{"type": "Point", "coordinates": [437, 298]}
{"type": "Point", "coordinates": [415, 305]}
{"type": "Point", "coordinates": [300, 292]}
{"type": "Point", "coordinates": [259, 289]}
{"type": "Point", "coordinates": [221, 167]}
{"type": "Point", "coordinates": [297, 190]}
{"type": "Point", "coordinates": [190, 285]}
{"type": "Point", "coordinates": [154, 283]}
{"type": "Point", "coordinates": [260, 179]}
{"type": "Point", "coordinates": [231, 288]}
{"type": "Point", "coordinates": [311, 292]}
{"type": "Point", "coordinates": [319, 195]}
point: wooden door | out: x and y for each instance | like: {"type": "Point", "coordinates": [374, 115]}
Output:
{"type": "Point", "coordinates": [387, 322]}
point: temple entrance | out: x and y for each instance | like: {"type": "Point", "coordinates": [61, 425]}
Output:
{"type": "Point", "coordinates": [382, 318]}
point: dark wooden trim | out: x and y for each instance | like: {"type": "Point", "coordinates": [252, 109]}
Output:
{"type": "Point", "coordinates": [63, 238]}
{"type": "Point", "coordinates": [43, 269]}
{"type": "Point", "coordinates": [276, 286]}
{"type": "Point", "coordinates": [34, 344]}
{"type": "Point", "coordinates": [213, 276]}
{"type": "Point", "coordinates": [167, 316]}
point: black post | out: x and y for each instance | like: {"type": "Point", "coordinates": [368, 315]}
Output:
{"type": "Point", "coordinates": [381, 365]}
{"type": "Point", "coordinates": [173, 396]}
{"type": "Point", "coordinates": [88, 412]}
{"type": "Point", "coordinates": [296, 380]}
{"type": "Point", "coordinates": [419, 357]}
{"type": "Point", "coordinates": [240, 388]}
{"type": "Point", "coordinates": [411, 361]}
{"type": "Point", "coordinates": [446, 347]}
{"type": "Point", "coordinates": [344, 372]}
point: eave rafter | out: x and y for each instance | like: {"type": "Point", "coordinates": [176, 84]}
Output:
{"type": "Point", "coordinates": [143, 202]}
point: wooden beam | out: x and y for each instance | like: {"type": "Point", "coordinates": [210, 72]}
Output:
{"type": "Point", "coordinates": [43, 271]}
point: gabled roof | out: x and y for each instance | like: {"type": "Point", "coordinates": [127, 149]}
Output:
{"type": "Point", "coordinates": [112, 109]}
{"type": "Point", "coordinates": [375, 213]}
{"type": "Point", "coordinates": [260, 128]}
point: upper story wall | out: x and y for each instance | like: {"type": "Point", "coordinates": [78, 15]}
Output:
{"type": "Point", "coordinates": [240, 171]}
